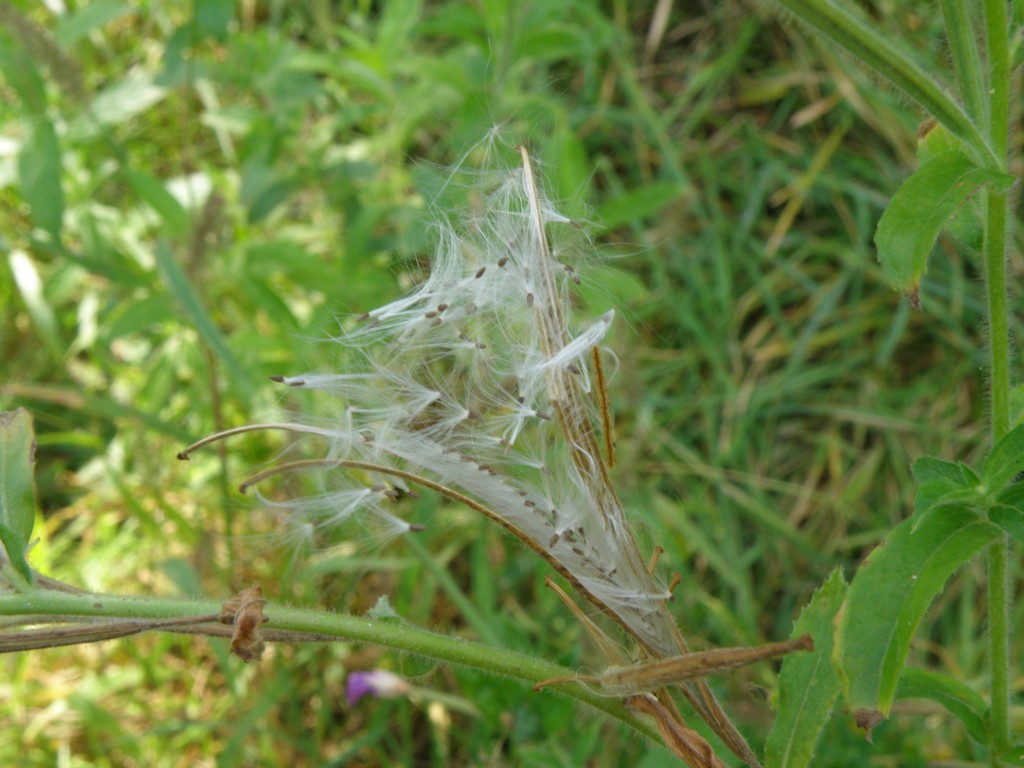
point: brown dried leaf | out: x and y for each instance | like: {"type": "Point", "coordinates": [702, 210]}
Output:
{"type": "Point", "coordinates": [245, 612]}
{"type": "Point", "coordinates": [686, 744]}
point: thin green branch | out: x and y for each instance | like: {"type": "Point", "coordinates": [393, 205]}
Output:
{"type": "Point", "coordinates": [400, 637]}
{"type": "Point", "coordinates": [893, 64]}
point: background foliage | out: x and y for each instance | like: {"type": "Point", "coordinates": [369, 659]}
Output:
{"type": "Point", "coordinates": [191, 195]}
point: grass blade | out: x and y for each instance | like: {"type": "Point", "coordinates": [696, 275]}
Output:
{"type": "Point", "coordinates": [181, 289]}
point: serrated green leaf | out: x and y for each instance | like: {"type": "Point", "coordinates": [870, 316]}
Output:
{"type": "Point", "coordinates": [1010, 519]}
{"type": "Point", "coordinates": [1005, 461]}
{"type": "Point", "coordinates": [1012, 496]}
{"type": "Point", "coordinates": [948, 506]}
{"type": "Point", "coordinates": [39, 172]}
{"type": "Point", "coordinates": [943, 483]}
{"type": "Point", "coordinates": [920, 209]}
{"type": "Point", "coordinates": [929, 469]}
{"type": "Point", "coordinates": [938, 492]}
{"type": "Point", "coordinates": [17, 489]}
{"type": "Point", "coordinates": [808, 684]}
{"type": "Point", "coordinates": [889, 596]}
{"type": "Point", "coordinates": [957, 697]}
{"type": "Point", "coordinates": [155, 195]}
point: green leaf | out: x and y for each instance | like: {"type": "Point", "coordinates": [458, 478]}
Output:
{"type": "Point", "coordinates": [1010, 519]}
{"type": "Point", "coordinates": [928, 468]}
{"type": "Point", "coordinates": [39, 171]}
{"type": "Point", "coordinates": [31, 286]}
{"type": "Point", "coordinates": [941, 492]}
{"type": "Point", "coordinates": [887, 599]}
{"type": "Point", "coordinates": [17, 455]}
{"type": "Point", "coordinates": [134, 316]}
{"type": "Point", "coordinates": [1005, 461]}
{"type": "Point", "coordinates": [17, 491]}
{"type": "Point", "coordinates": [957, 697]}
{"type": "Point", "coordinates": [1011, 496]}
{"type": "Point", "coordinates": [179, 286]}
{"type": "Point", "coordinates": [569, 156]}
{"type": "Point", "coordinates": [213, 17]}
{"type": "Point", "coordinates": [1013, 756]}
{"type": "Point", "coordinates": [943, 484]}
{"type": "Point", "coordinates": [155, 195]}
{"type": "Point", "coordinates": [920, 209]}
{"type": "Point", "coordinates": [1017, 404]}
{"type": "Point", "coordinates": [262, 188]}
{"type": "Point", "coordinates": [933, 139]}
{"type": "Point", "coordinates": [263, 297]}
{"type": "Point", "coordinates": [639, 204]}
{"type": "Point", "coordinates": [808, 684]}
{"type": "Point", "coordinates": [18, 573]}
{"type": "Point", "coordinates": [126, 98]}
{"type": "Point", "coordinates": [553, 42]}
{"type": "Point", "coordinates": [72, 27]}
{"type": "Point", "coordinates": [21, 73]}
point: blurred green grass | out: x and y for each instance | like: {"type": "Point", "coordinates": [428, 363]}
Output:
{"type": "Point", "coordinates": [232, 180]}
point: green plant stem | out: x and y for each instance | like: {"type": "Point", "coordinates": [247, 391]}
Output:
{"type": "Point", "coordinates": [892, 63]}
{"type": "Point", "coordinates": [999, 645]}
{"type": "Point", "coordinates": [999, 385]}
{"type": "Point", "coordinates": [485, 630]}
{"type": "Point", "coordinates": [391, 634]}
{"type": "Point", "coordinates": [963, 49]}
{"type": "Point", "coordinates": [998, 313]}
{"type": "Point", "coordinates": [997, 44]}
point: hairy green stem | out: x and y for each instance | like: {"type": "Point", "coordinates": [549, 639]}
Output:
{"type": "Point", "coordinates": [999, 594]}
{"type": "Point", "coordinates": [999, 647]}
{"type": "Point", "coordinates": [998, 312]}
{"type": "Point", "coordinates": [401, 637]}
{"type": "Point", "coordinates": [963, 49]}
{"type": "Point", "coordinates": [895, 65]}
{"type": "Point", "coordinates": [997, 42]}
{"type": "Point", "coordinates": [985, 128]}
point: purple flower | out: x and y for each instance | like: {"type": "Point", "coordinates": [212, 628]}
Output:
{"type": "Point", "coordinates": [377, 682]}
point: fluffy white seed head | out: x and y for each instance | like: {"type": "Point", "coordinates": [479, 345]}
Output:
{"type": "Point", "coordinates": [479, 381]}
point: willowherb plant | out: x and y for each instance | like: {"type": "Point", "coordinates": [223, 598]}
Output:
{"type": "Point", "coordinates": [478, 386]}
